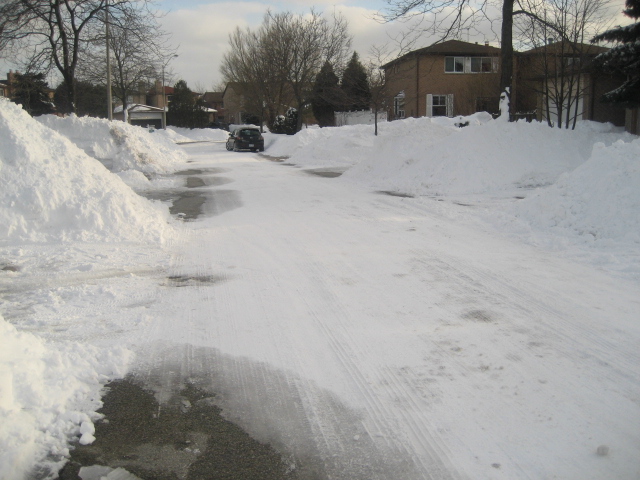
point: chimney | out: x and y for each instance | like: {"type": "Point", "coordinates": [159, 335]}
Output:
{"type": "Point", "coordinates": [486, 43]}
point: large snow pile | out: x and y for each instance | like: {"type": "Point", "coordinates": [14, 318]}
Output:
{"type": "Point", "coordinates": [597, 204]}
{"type": "Point", "coordinates": [52, 191]}
{"type": "Point", "coordinates": [49, 394]}
{"type": "Point", "coordinates": [354, 144]}
{"type": "Point", "coordinates": [118, 145]}
{"type": "Point", "coordinates": [576, 188]}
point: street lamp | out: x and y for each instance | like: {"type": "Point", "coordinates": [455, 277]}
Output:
{"type": "Point", "coordinates": [164, 93]}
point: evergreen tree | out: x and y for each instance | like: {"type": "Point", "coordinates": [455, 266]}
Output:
{"type": "Point", "coordinates": [325, 97]}
{"type": "Point", "coordinates": [286, 124]}
{"type": "Point", "coordinates": [185, 110]}
{"type": "Point", "coordinates": [91, 99]}
{"type": "Point", "coordinates": [355, 86]}
{"type": "Point", "coordinates": [623, 59]}
{"type": "Point", "coordinates": [31, 91]}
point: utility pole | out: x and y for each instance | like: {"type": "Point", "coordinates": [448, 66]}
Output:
{"type": "Point", "coordinates": [109, 99]}
{"type": "Point", "coordinates": [164, 94]}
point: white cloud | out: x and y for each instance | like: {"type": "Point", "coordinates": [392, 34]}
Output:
{"type": "Point", "coordinates": [202, 34]}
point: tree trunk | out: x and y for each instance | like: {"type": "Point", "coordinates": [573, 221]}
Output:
{"type": "Point", "coordinates": [506, 76]}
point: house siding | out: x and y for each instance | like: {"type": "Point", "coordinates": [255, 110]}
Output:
{"type": "Point", "coordinates": [423, 73]}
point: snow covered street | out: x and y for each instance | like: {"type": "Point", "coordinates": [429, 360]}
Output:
{"type": "Point", "coordinates": [363, 334]}
{"type": "Point", "coordinates": [398, 334]}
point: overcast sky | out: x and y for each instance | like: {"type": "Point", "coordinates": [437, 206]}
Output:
{"type": "Point", "coordinates": [200, 31]}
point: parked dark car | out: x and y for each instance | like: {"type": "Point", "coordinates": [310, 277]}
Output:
{"type": "Point", "coordinates": [245, 138]}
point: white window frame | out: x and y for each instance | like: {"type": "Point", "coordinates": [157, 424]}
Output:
{"type": "Point", "coordinates": [448, 102]}
{"type": "Point", "coordinates": [466, 63]}
{"type": "Point", "coordinates": [456, 61]}
{"type": "Point", "coordinates": [398, 105]}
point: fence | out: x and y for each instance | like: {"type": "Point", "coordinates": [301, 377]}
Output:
{"type": "Point", "coordinates": [363, 117]}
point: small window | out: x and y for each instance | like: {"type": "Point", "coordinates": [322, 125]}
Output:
{"type": "Point", "coordinates": [454, 65]}
{"type": "Point", "coordinates": [398, 105]}
{"type": "Point", "coordinates": [439, 107]}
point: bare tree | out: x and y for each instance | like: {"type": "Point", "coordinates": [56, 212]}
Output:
{"type": "Point", "coordinates": [279, 61]}
{"type": "Point", "coordinates": [560, 55]}
{"type": "Point", "coordinates": [54, 34]}
{"type": "Point", "coordinates": [447, 18]}
{"type": "Point", "coordinates": [138, 47]}
{"type": "Point", "coordinates": [378, 56]}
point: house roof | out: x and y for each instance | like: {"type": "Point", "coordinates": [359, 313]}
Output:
{"type": "Point", "coordinates": [567, 49]}
{"type": "Point", "coordinates": [167, 91]}
{"type": "Point", "coordinates": [450, 47]}
{"type": "Point", "coordinates": [213, 96]}
{"type": "Point", "coordinates": [138, 107]}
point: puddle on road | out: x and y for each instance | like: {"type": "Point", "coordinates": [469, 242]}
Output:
{"type": "Point", "coordinates": [194, 280]}
{"type": "Point", "coordinates": [395, 194]}
{"type": "Point", "coordinates": [325, 173]}
{"type": "Point", "coordinates": [193, 413]}
{"type": "Point", "coordinates": [271, 158]}
{"type": "Point", "coordinates": [191, 202]}
{"type": "Point", "coordinates": [195, 182]}
{"type": "Point", "coordinates": [183, 438]}
{"type": "Point", "coordinates": [188, 205]}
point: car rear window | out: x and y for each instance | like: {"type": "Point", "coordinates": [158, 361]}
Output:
{"type": "Point", "coordinates": [250, 133]}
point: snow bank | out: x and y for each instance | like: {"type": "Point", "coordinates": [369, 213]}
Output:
{"type": "Point", "coordinates": [594, 204]}
{"type": "Point", "coordinates": [579, 188]}
{"type": "Point", "coordinates": [49, 395]}
{"type": "Point", "coordinates": [494, 158]}
{"type": "Point", "coordinates": [52, 191]}
{"type": "Point", "coordinates": [197, 134]}
{"type": "Point", "coordinates": [118, 145]}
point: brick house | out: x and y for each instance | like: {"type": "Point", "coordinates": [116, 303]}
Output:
{"type": "Point", "coordinates": [233, 100]}
{"type": "Point", "coordinates": [215, 101]}
{"type": "Point", "coordinates": [558, 83]}
{"type": "Point", "coordinates": [445, 79]}
{"type": "Point", "coordinates": [4, 89]}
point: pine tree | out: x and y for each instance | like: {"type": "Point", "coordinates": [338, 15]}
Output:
{"type": "Point", "coordinates": [30, 91]}
{"type": "Point", "coordinates": [325, 98]}
{"type": "Point", "coordinates": [91, 99]}
{"type": "Point", "coordinates": [185, 110]}
{"type": "Point", "coordinates": [623, 59]}
{"type": "Point", "coordinates": [355, 86]}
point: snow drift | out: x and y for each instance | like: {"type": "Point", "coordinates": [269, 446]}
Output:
{"type": "Point", "coordinates": [49, 394]}
{"type": "Point", "coordinates": [118, 145]}
{"type": "Point", "coordinates": [53, 191]}
{"type": "Point", "coordinates": [576, 188]}
{"type": "Point", "coordinates": [595, 204]}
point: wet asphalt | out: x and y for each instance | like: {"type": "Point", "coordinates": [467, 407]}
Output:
{"type": "Point", "coordinates": [186, 437]}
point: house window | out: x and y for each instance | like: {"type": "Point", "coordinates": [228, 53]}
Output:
{"type": "Point", "coordinates": [398, 105]}
{"type": "Point", "coordinates": [470, 64]}
{"type": "Point", "coordinates": [481, 65]}
{"type": "Point", "coordinates": [440, 105]}
{"type": "Point", "coordinates": [454, 64]}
